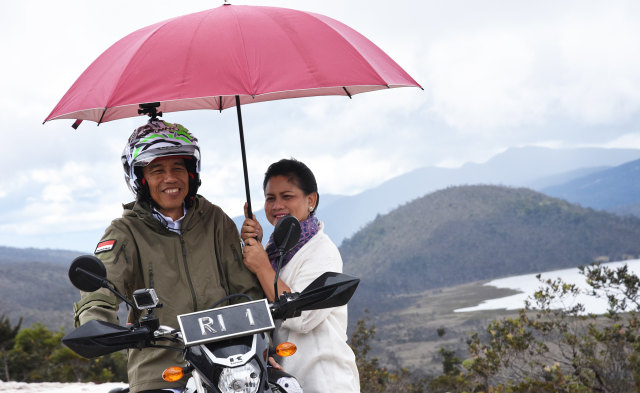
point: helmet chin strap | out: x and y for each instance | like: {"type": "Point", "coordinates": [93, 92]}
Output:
{"type": "Point", "coordinates": [144, 194]}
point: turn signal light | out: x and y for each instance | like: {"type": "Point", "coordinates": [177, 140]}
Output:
{"type": "Point", "coordinates": [173, 374]}
{"type": "Point", "coordinates": [286, 349]}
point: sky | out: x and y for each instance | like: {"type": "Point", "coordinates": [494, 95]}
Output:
{"type": "Point", "coordinates": [496, 74]}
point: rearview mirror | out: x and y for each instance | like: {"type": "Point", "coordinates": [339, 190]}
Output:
{"type": "Point", "coordinates": [87, 273]}
{"type": "Point", "coordinates": [286, 233]}
{"type": "Point", "coordinates": [329, 290]}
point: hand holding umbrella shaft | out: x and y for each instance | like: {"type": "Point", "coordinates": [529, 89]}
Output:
{"type": "Point", "coordinates": [251, 228]}
{"type": "Point", "coordinates": [257, 261]}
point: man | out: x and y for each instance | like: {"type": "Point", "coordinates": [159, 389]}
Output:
{"type": "Point", "coordinates": [169, 239]}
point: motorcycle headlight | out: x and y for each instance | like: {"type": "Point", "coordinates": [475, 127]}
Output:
{"type": "Point", "coordinates": [243, 379]}
{"type": "Point", "coordinates": [289, 385]}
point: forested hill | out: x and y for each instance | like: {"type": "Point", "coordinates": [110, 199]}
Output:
{"type": "Point", "coordinates": [471, 233]}
{"type": "Point", "coordinates": [34, 285]}
{"type": "Point", "coordinates": [21, 255]}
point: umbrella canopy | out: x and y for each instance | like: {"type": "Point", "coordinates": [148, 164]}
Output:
{"type": "Point", "coordinates": [224, 57]}
{"type": "Point", "coordinates": [205, 59]}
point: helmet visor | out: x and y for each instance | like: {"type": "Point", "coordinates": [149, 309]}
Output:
{"type": "Point", "coordinates": [145, 157]}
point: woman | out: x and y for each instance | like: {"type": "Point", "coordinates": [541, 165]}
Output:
{"type": "Point", "coordinates": [324, 362]}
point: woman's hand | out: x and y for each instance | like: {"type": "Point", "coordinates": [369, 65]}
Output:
{"type": "Point", "coordinates": [257, 261]}
{"type": "Point", "coordinates": [251, 228]}
{"type": "Point", "coordinates": [255, 257]}
{"type": "Point", "coordinates": [275, 364]}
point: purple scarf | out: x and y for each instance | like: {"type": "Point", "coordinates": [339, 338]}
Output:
{"type": "Point", "coordinates": [308, 229]}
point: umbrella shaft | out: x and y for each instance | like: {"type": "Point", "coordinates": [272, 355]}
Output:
{"type": "Point", "coordinates": [244, 158]}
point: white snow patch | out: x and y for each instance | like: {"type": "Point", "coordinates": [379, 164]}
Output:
{"type": "Point", "coordinates": [57, 387]}
{"type": "Point", "coordinates": [528, 284]}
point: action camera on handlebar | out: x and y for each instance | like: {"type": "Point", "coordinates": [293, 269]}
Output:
{"type": "Point", "coordinates": [145, 298]}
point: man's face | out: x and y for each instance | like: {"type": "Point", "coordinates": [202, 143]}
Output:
{"type": "Point", "coordinates": [168, 181]}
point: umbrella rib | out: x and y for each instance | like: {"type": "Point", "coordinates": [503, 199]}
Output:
{"type": "Point", "coordinates": [350, 42]}
{"type": "Point", "coordinates": [346, 91]}
{"type": "Point", "coordinates": [241, 34]}
{"type": "Point", "coordinates": [220, 103]}
{"type": "Point", "coordinates": [102, 116]}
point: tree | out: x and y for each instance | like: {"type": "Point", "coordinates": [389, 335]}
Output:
{"type": "Point", "coordinates": [372, 377]}
{"type": "Point", "coordinates": [7, 338]}
{"type": "Point", "coordinates": [376, 379]}
{"type": "Point", "coordinates": [554, 346]}
{"type": "Point", "coordinates": [31, 352]}
{"type": "Point", "coordinates": [452, 379]}
{"type": "Point", "coordinates": [39, 355]}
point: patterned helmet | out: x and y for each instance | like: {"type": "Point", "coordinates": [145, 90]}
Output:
{"type": "Point", "coordinates": [157, 139]}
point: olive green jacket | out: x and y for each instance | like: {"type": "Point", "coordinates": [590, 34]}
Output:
{"type": "Point", "coordinates": [189, 272]}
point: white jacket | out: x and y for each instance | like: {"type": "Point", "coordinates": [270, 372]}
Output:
{"type": "Point", "coordinates": [324, 361]}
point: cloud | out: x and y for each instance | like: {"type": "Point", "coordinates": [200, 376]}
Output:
{"type": "Point", "coordinates": [69, 197]}
{"type": "Point", "coordinates": [483, 81]}
{"type": "Point", "coordinates": [344, 175]}
{"type": "Point", "coordinates": [581, 65]}
{"type": "Point", "coordinates": [626, 141]}
{"type": "Point", "coordinates": [600, 51]}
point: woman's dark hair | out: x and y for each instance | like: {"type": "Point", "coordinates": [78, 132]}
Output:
{"type": "Point", "coordinates": [300, 174]}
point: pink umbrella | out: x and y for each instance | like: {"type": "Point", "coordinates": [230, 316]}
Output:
{"type": "Point", "coordinates": [224, 57]}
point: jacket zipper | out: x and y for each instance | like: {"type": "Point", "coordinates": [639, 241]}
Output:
{"type": "Point", "coordinates": [186, 268]}
{"type": "Point", "coordinates": [115, 260]}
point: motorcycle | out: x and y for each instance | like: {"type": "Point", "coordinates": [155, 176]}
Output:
{"type": "Point", "coordinates": [226, 348]}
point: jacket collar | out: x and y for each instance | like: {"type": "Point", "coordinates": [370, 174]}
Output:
{"type": "Point", "coordinates": [143, 211]}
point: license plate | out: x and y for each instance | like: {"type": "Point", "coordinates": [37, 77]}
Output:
{"type": "Point", "coordinates": [217, 324]}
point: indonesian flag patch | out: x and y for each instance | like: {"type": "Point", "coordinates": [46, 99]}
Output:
{"type": "Point", "coordinates": [103, 246]}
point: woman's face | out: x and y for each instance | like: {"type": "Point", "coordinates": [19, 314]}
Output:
{"type": "Point", "coordinates": [283, 196]}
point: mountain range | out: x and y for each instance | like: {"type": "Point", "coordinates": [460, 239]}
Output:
{"type": "Point", "coordinates": [614, 189]}
{"type": "Point", "coordinates": [538, 168]}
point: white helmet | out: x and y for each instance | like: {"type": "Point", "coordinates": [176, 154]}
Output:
{"type": "Point", "coordinates": [156, 139]}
